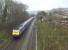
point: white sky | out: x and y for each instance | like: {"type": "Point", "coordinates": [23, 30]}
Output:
{"type": "Point", "coordinates": [44, 4]}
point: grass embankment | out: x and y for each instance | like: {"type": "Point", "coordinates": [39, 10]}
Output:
{"type": "Point", "coordinates": [52, 37]}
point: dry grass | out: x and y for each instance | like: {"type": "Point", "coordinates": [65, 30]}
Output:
{"type": "Point", "coordinates": [52, 37]}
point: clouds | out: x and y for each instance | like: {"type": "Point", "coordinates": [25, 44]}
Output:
{"type": "Point", "coordinates": [44, 4]}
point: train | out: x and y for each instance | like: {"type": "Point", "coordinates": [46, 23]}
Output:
{"type": "Point", "coordinates": [19, 30]}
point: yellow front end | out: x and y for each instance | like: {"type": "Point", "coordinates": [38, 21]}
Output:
{"type": "Point", "coordinates": [15, 33]}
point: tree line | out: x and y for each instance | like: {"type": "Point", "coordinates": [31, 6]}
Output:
{"type": "Point", "coordinates": [12, 13]}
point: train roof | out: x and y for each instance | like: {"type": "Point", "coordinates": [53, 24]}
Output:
{"type": "Point", "coordinates": [23, 24]}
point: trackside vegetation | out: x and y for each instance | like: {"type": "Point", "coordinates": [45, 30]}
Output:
{"type": "Point", "coordinates": [51, 36]}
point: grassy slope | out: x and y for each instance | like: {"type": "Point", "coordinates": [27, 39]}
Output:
{"type": "Point", "coordinates": [5, 39]}
{"type": "Point", "coordinates": [52, 37]}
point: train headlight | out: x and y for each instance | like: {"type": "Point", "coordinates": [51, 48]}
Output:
{"type": "Point", "coordinates": [16, 33]}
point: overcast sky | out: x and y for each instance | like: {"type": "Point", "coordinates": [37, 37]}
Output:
{"type": "Point", "coordinates": [44, 4]}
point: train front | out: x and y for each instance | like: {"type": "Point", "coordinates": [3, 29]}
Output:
{"type": "Point", "coordinates": [15, 33]}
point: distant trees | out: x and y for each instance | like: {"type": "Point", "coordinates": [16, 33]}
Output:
{"type": "Point", "coordinates": [54, 16]}
{"type": "Point", "coordinates": [41, 14]}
